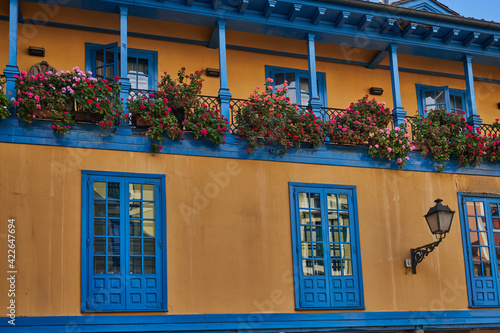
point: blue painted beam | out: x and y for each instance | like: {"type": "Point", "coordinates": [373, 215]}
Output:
{"type": "Point", "coordinates": [450, 35]}
{"type": "Point", "coordinates": [124, 80]}
{"type": "Point", "coordinates": [314, 102]}
{"type": "Point", "coordinates": [270, 5]}
{"type": "Point", "coordinates": [343, 16]}
{"type": "Point", "coordinates": [472, 116]}
{"type": "Point", "coordinates": [294, 11]}
{"type": "Point", "coordinates": [387, 26]}
{"type": "Point", "coordinates": [490, 42]}
{"type": "Point", "coordinates": [318, 15]}
{"type": "Point", "coordinates": [11, 68]}
{"type": "Point", "coordinates": [216, 4]}
{"type": "Point", "coordinates": [213, 43]}
{"type": "Point", "coordinates": [409, 29]}
{"type": "Point", "coordinates": [398, 113]}
{"type": "Point", "coordinates": [377, 59]}
{"type": "Point", "coordinates": [365, 21]}
{"type": "Point", "coordinates": [189, 3]}
{"type": "Point", "coordinates": [429, 33]}
{"type": "Point", "coordinates": [470, 39]}
{"type": "Point", "coordinates": [224, 93]}
{"type": "Point", "coordinates": [243, 6]}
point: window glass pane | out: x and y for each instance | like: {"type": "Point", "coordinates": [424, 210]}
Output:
{"type": "Point", "coordinates": [304, 84]}
{"type": "Point", "coordinates": [319, 267]}
{"type": "Point", "coordinates": [99, 72]}
{"type": "Point", "coordinates": [143, 66]}
{"type": "Point", "coordinates": [133, 80]}
{"type": "Point", "coordinates": [345, 235]}
{"type": "Point", "coordinates": [110, 56]}
{"type": "Point", "coordinates": [494, 209]}
{"type": "Point", "coordinates": [135, 209]}
{"type": "Point", "coordinates": [317, 234]}
{"type": "Point", "coordinates": [113, 265]}
{"type": "Point", "coordinates": [149, 265]}
{"type": "Point", "coordinates": [114, 227]}
{"type": "Point", "coordinates": [480, 208]}
{"type": "Point", "coordinates": [134, 191]}
{"type": "Point", "coordinates": [429, 98]}
{"type": "Point", "coordinates": [100, 190]}
{"type": "Point", "coordinates": [336, 267]}
{"type": "Point", "coordinates": [344, 218]}
{"type": "Point", "coordinates": [100, 208]}
{"type": "Point", "coordinates": [135, 228]}
{"type": "Point", "coordinates": [440, 97]}
{"type": "Point", "coordinates": [318, 250]}
{"type": "Point", "coordinates": [470, 208]}
{"type": "Point", "coordinates": [131, 64]}
{"type": "Point", "coordinates": [452, 101]}
{"type": "Point", "coordinates": [315, 201]}
{"type": "Point", "coordinates": [335, 251]}
{"type": "Point", "coordinates": [343, 202]}
{"type": "Point", "coordinates": [303, 200]}
{"type": "Point", "coordinates": [149, 246]}
{"type": "Point", "coordinates": [459, 102]}
{"type": "Point", "coordinates": [307, 267]}
{"type": "Point", "coordinates": [110, 72]}
{"type": "Point", "coordinates": [113, 190]}
{"type": "Point", "coordinates": [279, 79]}
{"type": "Point", "coordinates": [149, 192]}
{"type": "Point", "coordinates": [304, 99]}
{"type": "Point", "coordinates": [306, 250]}
{"type": "Point", "coordinates": [99, 245]}
{"type": "Point", "coordinates": [333, 218]}
{"type": "Point", "coordinates": [135, 246]}
{"type": "Point", "coordinates": [100, 265]}
{"type": "Point", "coordinates": [135, 265]}
{"type": "Point", "coordinates": [332, 201]}
{"type": "Point", "coordinates": [472, 223]}
{"type": "Point", "coordinates": [346, 251]}
{"type": "Point", "coordinates": [148, 210]}
{"type": "Point", "coordinates": [99, 58]}
{"type": "Point", "coordinates": [304, 217]}
{"type": "Point", "coordinates": [100, 227]}
{"type": "Point", "coordinates": [316, 217]}
{"type": "Point", "coordinates": [113, 208]}
{"type": "Point", "coordinates": [290, 77]}
{"type": "Point", "coordinates": [334, 235]}
{"type": "Point", "coordinates": [347, 267]}
{"type": "Point", "coordinates": [149, 228]}
{"type": "Point", "coordinates": [113, 245]}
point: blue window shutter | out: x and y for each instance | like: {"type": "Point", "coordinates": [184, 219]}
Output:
{"type": "Point", "coordinates": [106, 286]}
{"type": "Point", "coordinates": [324, 236]}
{"type": "Point", "coordinates": [479, 234]}
{"type": "Point", "coordinates": [123, 260]}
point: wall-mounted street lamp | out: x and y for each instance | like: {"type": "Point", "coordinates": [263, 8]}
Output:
{"type": "Point", "coordinates": [439, 220]}
{"type": "Point", "coordinates": [376, 91]}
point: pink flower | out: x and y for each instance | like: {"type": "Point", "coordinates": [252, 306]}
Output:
{"type": "Point", "coordinates": [399, 161]}
{"type": "Point", "coordinates": [376, 146]}
{"type": "Point", "coordinates": [204, 132]}
{"type": "Point", "coordinates": [389, 149]}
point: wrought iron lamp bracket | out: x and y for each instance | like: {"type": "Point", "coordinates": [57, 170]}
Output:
{"type": "Point", "coordinates": [418, 254]}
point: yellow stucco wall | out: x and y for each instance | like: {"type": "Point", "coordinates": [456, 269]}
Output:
{"type": "Point", "coordinates": [230, 253]}
{"type": "Point", "coordinates": [65, 48]}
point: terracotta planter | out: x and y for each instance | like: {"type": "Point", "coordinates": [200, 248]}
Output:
{"type": "Point", "coordinates": [141, 122]}
{"type": "Point", "coordinates": [83, 116]}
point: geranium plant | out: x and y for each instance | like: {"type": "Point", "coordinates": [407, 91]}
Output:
{"type": "Point", "coordinates": [358, 122]}
{"type": "Point", "coordinates": [153, 107]}
{"type": "Point", "coordinates": [183, 90]}
{"type": "Point", "coordinates": [269, 116]}
{"type": "Point", "coordinates": [5, 103]}
{"type": "Point", "coordinates": [392, 144]}
{"type": "Point", "coordinates": [207, 122]}
{"type": "Point", "coordinates": [445, 135]}
{"type": "Point", "coordinates": [46, 96]}
{"type": "Point", "coordinates": [98, 96]}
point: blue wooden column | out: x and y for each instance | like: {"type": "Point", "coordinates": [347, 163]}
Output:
{"type": "Point", "coordinates": [125, 82]}
{"type": "Point", "coordinates": [398, 113]}
{"type": "Point", "coordinates": [314, 101]}
{"type": "Point", "coordinates": [472, 117]}
{"type": "Point", "coordinates": [224, 93]}
{"type": "Point", "coordinates": [11, 69]}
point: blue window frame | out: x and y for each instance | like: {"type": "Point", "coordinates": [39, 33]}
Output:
{"type": "Point", "coordinates": [442, 98]}
{"type": "Point", "coordinates": [142, 66]}
{"type": "Point", "coordinates": [298, 84]}
{"type": "Point", "coordinates": [123, 237]}
{"type": "Point", "coordinates": [327, 266]}
{"type": "Point", "coordinates": [480, 219]}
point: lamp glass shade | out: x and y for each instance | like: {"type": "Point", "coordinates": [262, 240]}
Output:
{"type": "Point", "coordinates": [439, 218]}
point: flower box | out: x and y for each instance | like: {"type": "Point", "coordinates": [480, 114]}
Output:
{"type": "Point", "coordinates": [141, 122]}
{"type": "Point", "coordinates": [87, 117]}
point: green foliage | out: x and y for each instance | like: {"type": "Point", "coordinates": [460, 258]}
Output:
{"type": "Point", "coordinates": [5, 103]}
{"type": "Point", "coordinates": [207, 122]}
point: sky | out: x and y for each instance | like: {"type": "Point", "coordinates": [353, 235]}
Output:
{"type": "Point", "coordinates": [480, 9]}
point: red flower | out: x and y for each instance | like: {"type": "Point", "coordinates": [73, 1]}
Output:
{"type": "Point", "coordinates": [249, 150]}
